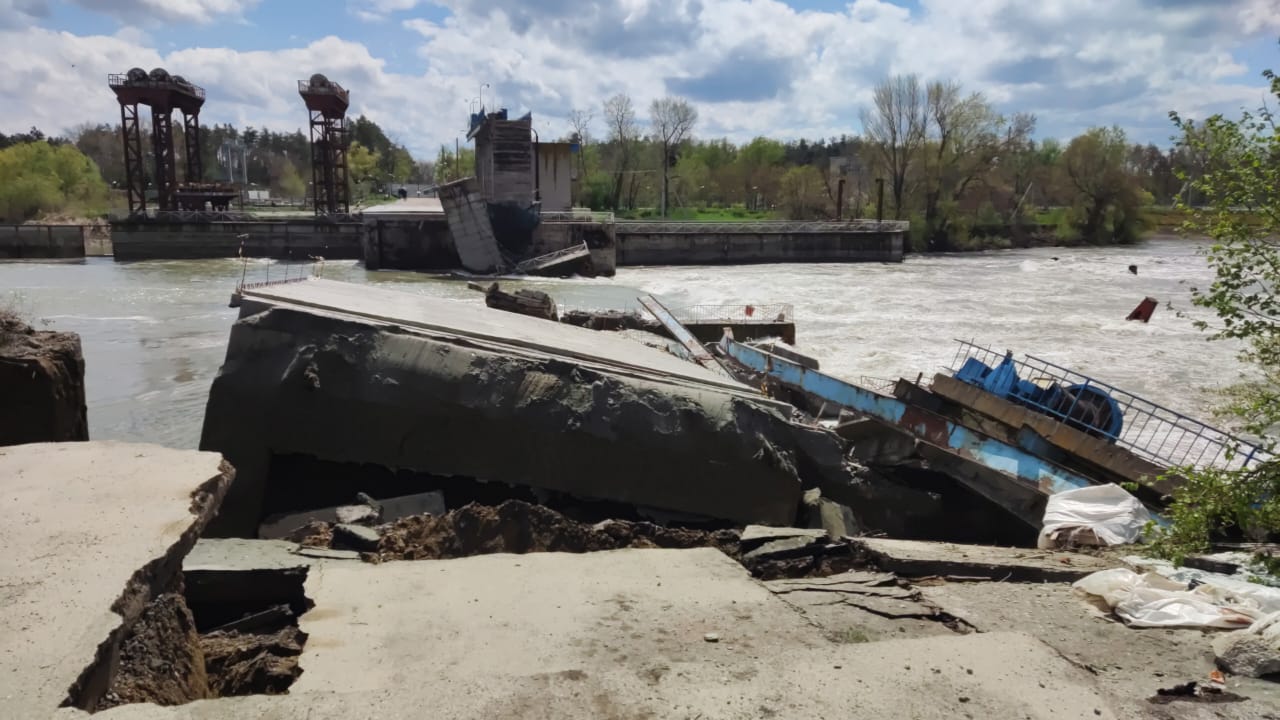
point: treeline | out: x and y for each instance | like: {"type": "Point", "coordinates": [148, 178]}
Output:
{"type": "Point", "coordinates": [949, 163]}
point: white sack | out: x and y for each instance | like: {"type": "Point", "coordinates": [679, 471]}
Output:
{"type": "Point", "coordinates": [1151, 600]}
{"type": "Point", "coordinates": [1107, 512]}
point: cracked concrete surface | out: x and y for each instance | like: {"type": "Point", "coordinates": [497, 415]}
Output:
{"type": "Point", "coordinates": [620, 634]}
{"type": "Point", "coordinates": [92, 532]}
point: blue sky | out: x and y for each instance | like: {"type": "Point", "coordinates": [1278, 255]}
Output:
{"type": "Point", "coordinates": [803, 68]}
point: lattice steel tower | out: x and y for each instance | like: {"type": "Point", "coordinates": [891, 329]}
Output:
{"type": "Point", "coordinates": [163, 93]}
{"type": "Point", "coordinates": [327, 102]}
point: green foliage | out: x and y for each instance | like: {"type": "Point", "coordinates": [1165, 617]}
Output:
{"type": "Point", "coordinates": [1214, 503]}
{"type": "Point", "coordinates": [37, 178]}
{"type": "Point", "coordinates": [1107, 196]}
{"type": "Point", "coordinates": [289, 183]}
{"type": "Point", "coordinates": [1240, 186]}
{"type": "Point", "coordinates": [803, 193]}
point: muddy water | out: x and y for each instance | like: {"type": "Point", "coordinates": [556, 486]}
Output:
{"type": "Point", "coordinates": [154, 333]}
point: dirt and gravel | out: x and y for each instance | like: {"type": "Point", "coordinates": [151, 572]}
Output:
{"type": "Point", "coordinates": [520, 527]}
{"type": "Point", "coordinates": [162, 661]}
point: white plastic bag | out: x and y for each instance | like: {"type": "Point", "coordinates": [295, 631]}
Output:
{"type": "Point", "coordinates": [1151, 600]}
{"type": "Point", "coordinates": [1099, 514]}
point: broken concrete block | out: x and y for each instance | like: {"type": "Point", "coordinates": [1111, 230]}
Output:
{"type": "Point", "coordinates": [1254, 652]}
{"type": "Point", "coordinates": [837, 520]}
{"type": "Point", "coordinates": [754, 535]}
{"type": "Point", "coordinates": [430, 503]}
{"type": "Point", "coordinates": [358, 537]}
{"type": "Point", "coordinates": [42, 374]}
{"type": "Point", "coordinates": [795, 544]}
{"type": "Point", "coordinates": [356, 514]}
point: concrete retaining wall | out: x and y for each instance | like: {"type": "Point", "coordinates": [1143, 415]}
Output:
{"type": "Point", "coordinates": [405, 244]}
{"type": "Point", "coordinates": [18, 242]}
{"type": "Point", "coordinates": [294, 239]}
{"type": "Point", "coordinates": [726, 248]}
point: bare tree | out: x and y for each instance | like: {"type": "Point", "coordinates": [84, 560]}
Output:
{"type": "Point", "coordinates": [896, 128]}
{"type": "Point", "coordinates": [673, 119]}
{"type": "Point", "coordinates": [581, 122]}
{"type": "Point", "coordinates": [620, 115]}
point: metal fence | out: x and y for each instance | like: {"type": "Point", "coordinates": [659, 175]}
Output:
{"type": "Point", "coordinates": [762, 226]}
{"type": "Point", "coordinates": [740, 314]}
{"type": "Point", "coordinates": [1151, 431]}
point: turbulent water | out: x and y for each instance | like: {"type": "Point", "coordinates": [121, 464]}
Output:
{"type": "Point", "coordinates": [154, 333]}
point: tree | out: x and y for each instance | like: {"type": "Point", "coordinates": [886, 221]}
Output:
{"type": "Point", "coordinates": [965, 139]}
{"type": "Point", "coordinates": [620, 114]}
{"type": "Point", "coordinates": [895, 126]}
{"type": "Point", "coordinates": [1240, 187]}
{"type": "Point", "coordinates": [581, 122]}
{"type": "Point", "coordinates": [289, 183]}
{"type": "Point", "coordinates": [1107, 199]}
{"type": "Point", "coordinates": [37, 178]}
{"type": "Point", "coordinates": [672, 119]}
{"type": "Point", "coordinates": [803, 193]}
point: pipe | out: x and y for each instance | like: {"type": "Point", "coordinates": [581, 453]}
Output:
{"type": "Point", "coordinates": [537, 166]}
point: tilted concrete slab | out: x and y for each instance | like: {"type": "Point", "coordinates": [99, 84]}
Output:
{"type": "Point", "coordinates": [621, 635]}
{"type": "Point", "coordinates": [509, 331]}
{"type": "Point", "coordinates": [352, 374]}
{"type": "Point", "coordinates": [913, 558]}
{"type": "Point", "coordinates": [92, 531]}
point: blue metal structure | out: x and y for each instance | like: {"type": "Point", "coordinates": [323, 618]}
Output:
{"type": "Point", "coordinates": [1147, 429]}
{"type": "Point", "coordinates": [1016, 464]}
{"type": "Point", "coordinates": [1084, 406]}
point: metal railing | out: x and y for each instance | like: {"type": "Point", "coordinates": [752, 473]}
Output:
{"type": "Point", "coordinates": [760, 226]}
{"type": "Point", "coordinates": [700, 314]}
{"type": "Point", "coordinates": [602, 217]}
{"type": "Point", "coordinates": [884, 386]}
{"type": "Point", "coordinates": [1150, 430]}
{"type": "Point", "coordinates": [121, 80]}
{"type": "Point", "coordinates": [551, 258]}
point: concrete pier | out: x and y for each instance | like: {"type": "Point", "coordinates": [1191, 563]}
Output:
{"type": "Point", "coordinates": [30, 242]}
{"type": "Point", "coordinates": [695, 243]}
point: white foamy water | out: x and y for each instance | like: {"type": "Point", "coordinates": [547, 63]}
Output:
{"type": "Point", "coordinates": [154, 333]}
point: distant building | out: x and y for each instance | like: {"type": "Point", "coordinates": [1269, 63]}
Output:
{"type": "Point", "coordinates": [555, 175]}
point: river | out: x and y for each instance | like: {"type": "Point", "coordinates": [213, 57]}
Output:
{"type": "Point", "coordinates": [154, 333]}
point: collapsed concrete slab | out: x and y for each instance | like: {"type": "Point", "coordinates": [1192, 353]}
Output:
{"type": "Point", "coordinates": [354, 374]}
{"type": "Point", "coordinates": [94, 532]}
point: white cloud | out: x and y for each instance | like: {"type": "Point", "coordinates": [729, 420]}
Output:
{"type": "Point", "coordinates": [752, 66]}
{"type": "Point", "coordinates": [199, 11]}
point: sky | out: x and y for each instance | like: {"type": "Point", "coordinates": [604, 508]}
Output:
{"type": "Point", "coordinates": [783, 69]}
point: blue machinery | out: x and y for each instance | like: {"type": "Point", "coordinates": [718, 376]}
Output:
{"type": "Point", "coordinates": [965, 446]}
